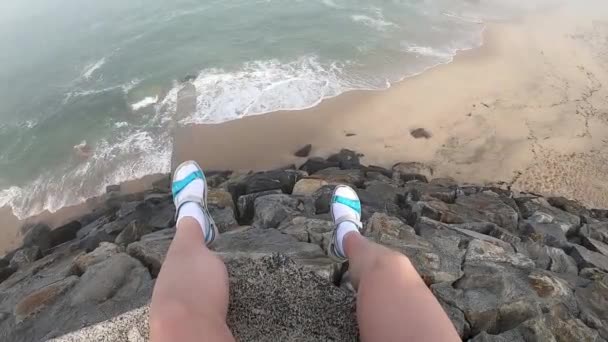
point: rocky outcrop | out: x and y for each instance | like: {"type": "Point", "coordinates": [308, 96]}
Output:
{"type": "Point", "coordinates": [505, 266]}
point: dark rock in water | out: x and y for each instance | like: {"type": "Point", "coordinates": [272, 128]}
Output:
{"type": "Point", "coordinates": [25, 256]}
{"type": "Point", "coordinates": [346, 159]}
{"type": "Point", "coordinates": [350, 135]}
{"type": "Point", "coordinates": [245, 204]}
{"type": "Point", "coordinates": [112, 188]}
{"type": "Point", "coordinates": [65, 233]}
{"type": "Point", "coordinates": [38, 235]}
{"type": "Point", "coordinates": [189, 78]}
{"type": "Point", "coordinates": [419, 133]}
{"type": "Point", "coordinates": [304, 151]}
{"type": "Point", "coordinates": [316, 164]}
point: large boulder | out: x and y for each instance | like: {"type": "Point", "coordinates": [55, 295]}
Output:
{"type": "Point", "coordinates": [271, 210]}
{"type": "Point", "coordinates": [597, 231]}
{"type": "Point", "coordinates": [245, 205]}
{"type": "Point", "coordinates": [65, 233]}
{"type": "Point", "coordinates": [307, 186]}
{"type": "Point", "coordinates": [586, 258]}
{"type": "Point", "coordinates": [25, 256]}
{"type": "Point", "coordinates": [36, 301]}
{"type": "Point", "coordinates": [346, 159]}
{"type": "Point", "coordinates": [38, 235]}
{"type": "Point", "coordinates": [336, 176]}
{"type": "Point", "coordinates": [133, 232]}
{"type": "Point", "coordinates": [120, 277]}
{"type": "Point", "coordinates": [152, 249]}
{"type": "Point", "coordinates": [539, 211]}
{"type": "Point", "coordinates": [413, 171]}
{"type": "Point", "coordinates": [315, 164]}
{"type": "Point", "coordinates": [593, 304]}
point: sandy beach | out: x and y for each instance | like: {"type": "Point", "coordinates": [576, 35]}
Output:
{"type": "Point", "coordinates": [528, 108]}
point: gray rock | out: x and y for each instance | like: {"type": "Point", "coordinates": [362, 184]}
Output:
{"type": "Point", "coordinates": [271, 210]}
{"type": "Point", "coordinates": [65, 233]}
{"type": "Point", "coordinates": [541, 212]}
{"type": "Point", "coordinates": [586, 258]}
{"type": "Point", "coordinates": [224, 218]}
{"type": "Point", "coordinates": [490, 229]}
{"type": "Point", "coordinates": [5, 272]}
{"type": "Point", "coordinates": [482, 252]}
{"type": "Point", "coordinates": [152, 249]}
{"type": "Point", "coordinates": [550, 234]}
{"type": "Point", "coordinates": [595, 245]}
{"type": "Point", "coordinates": [346, 159]}
{"type": "Point", "coordinates": [245, 205]}
{"type": "Point", "coordinates": [510, 336]}
{"type": "Point", "coordinates": [36, 301]}
{"type": "Point", "coordinates": [379, 195]}
{"type": "Point", "coordinates": [420, 191]}
{"type": "Point", "coordinates": [25, 256]}
{"type": "Point", "coordinates": [597, 231]}
{"type": "Point", "coordinates": [322, 198]}
{"type": "Point", "coordinates": [163, 216]}
{"type": "Point", "coordinates": [133, 232]}
{"type": "Point", "coordinates": [592, 304]}
{"type": "Point", "coordinates": [592, 273]}
{"type": "Point", "coordinates": [456, 315]}
{"type": "Point", "coordinates": [283, 180]}
{"type": "Point", "coordinates": [413, 171]}
{"type": "Point", "coordinates": [484, 207]}
{"type": "Point", "coordinates": [336, 176]}
{"type": "Point", "coordinates": [105, 251]}
{"type": "Point", "coordinates": [316, 164]}
{"type": "Point", "coordinates": [119, 277]}
{"type": "Point", "coordinates": [38, 235]}
{"type": "Point", "coordinates": [257, 308]}
{"type": "Point", "coordinates": [258, 242]}
{"type": "Point", "coordinates": [309, 230]}
{"type": "Point", "coordinates": [307, 186]}
{"type": "Point", "coordinates": [570, 206]}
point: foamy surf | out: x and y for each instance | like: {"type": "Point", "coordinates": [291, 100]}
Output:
{"type": "Point", "coordinates": [90, 69]}
{"type": "Point", "coordinates": [146, 102]}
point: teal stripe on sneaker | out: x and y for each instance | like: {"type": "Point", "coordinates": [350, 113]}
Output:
{"type": "Point", "coordinates": [180, 185]}
{"type": "Point", "coordinates": [353, 204]}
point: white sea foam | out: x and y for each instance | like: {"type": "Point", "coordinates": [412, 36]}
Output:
{"type": "Point", "coordinates": [428, 51]}
{"type": "Point", "coordinates": [91, 68]}
{"type": "Point", "coordinates": [121, 124]}
{"type": "Point", "coordinates": [264, 86]}
{"type": "Point", "coordinates": [133, 156]}
{"type": "Point", "coordinates": [126, 88]}
{"type": "Point", "coordinates": [378, 23]}
{"type": "Point", "coordinates": [148, 101]}
{"type": "Point", "coordinates": [466, 19]}
{"type": "Point", "coordinates": [330, 3]}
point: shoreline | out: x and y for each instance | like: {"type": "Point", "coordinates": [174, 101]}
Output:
{"type": "Point", "coordinates": [508, 111]}
{"type": "Point", "coordinates": [478, 136]}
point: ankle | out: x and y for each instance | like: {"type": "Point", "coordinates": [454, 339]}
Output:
{"type": "Point", "coordinates": [192, 212]}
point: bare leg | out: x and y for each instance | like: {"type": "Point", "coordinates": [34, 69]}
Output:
{"type": "Point", "coordinates": [190, 300]}
{"type": "Point", "coordinates": [393, 303]}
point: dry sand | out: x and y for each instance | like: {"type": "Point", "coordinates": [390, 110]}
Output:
{"type": "Point", "coordinates": [528, 108]}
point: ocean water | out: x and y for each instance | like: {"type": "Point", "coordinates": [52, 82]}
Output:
{"type": "Point", "coordinates": [108, 73]}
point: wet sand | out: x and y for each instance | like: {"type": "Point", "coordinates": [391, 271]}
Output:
{"type": "Point", "coordinates": [528, 109]}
